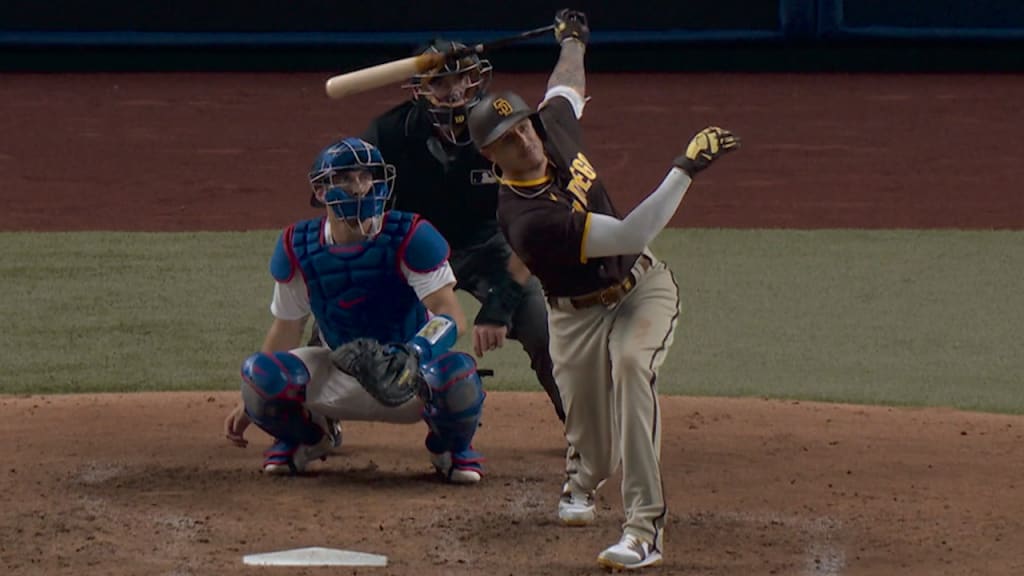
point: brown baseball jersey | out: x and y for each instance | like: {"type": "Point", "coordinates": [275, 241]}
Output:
{"type": "Point", "coordinates": [545, 221]}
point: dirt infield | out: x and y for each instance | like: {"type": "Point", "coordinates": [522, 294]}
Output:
{"type": "Point", "coordinates": [145, 484]}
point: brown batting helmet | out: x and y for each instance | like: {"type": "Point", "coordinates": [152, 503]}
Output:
{"type": "Point", "coordinates": [496, 114]}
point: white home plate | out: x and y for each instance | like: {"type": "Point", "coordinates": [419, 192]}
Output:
{"type": "Point", "coordinates": [315, 557]}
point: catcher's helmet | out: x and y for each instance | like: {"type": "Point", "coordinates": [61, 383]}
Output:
{"type": "Point", "coordinates": [332, 173]}
{"type": "Point", "coordinates": [449, 92]}
{"type": "Point", "coordinates": [496, 114]}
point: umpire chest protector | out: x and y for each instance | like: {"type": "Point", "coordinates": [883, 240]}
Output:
{"type": "Point", "coordinates": [451, 186]}
{"type": "Point", "coordinates": [359, 290]}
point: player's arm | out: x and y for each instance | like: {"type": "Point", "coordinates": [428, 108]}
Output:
{"type": "Point", "coordinates": [290, 303]}
{"type": "Point", "coordinates": [284, 335]}
{"type": "Point", "coordinates": [565, 98]}
{"type": "Point", "coordinates": [517, 269]}
{"type": "Point", "coordinates": [608, 236]}
{"type": "Point", "coordinates": [572, 33]}
{"type": "Point", "coordinates": [424, 263]}
{"type": "Point", "coordinates": [290, 308]}
{"type": "Point", "coordinates": [444, 302]}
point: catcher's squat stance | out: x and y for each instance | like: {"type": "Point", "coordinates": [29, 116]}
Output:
{"type": "Point", "coordinates": [612, 305]}
{"type": "Point", "coordinates": [381, 290]}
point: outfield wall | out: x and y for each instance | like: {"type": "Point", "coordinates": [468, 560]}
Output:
{"type": "Point", "coordinates": [306, 34]}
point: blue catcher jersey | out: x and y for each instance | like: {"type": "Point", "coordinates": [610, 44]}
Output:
{"type": "Point", "coordinates": [359, 290]}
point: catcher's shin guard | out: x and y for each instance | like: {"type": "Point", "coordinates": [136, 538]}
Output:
{"type": "Point", "coordinates": [274, 389]}
{"type": "Point", "coordinates": [453, 410]}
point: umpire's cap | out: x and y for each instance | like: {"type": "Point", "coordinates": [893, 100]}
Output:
{"type": "Point", "coordinates": [494, 115]}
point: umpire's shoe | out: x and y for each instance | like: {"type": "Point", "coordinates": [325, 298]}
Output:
{"type": "Point", "coordinates": [285, 458]}
{"type": "Point", "coordinates": [631, 553]}
{"type": "Point", "coordinates": [576, 508]}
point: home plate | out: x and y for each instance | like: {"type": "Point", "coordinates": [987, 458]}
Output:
{"type": "Point", "coordinates": [315, 557]}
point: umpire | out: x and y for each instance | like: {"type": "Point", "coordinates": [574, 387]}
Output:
{"type": "Point", "coordinates": [441, 176]}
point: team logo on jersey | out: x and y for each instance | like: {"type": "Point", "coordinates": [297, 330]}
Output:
{"type": "Point", "coordinates": [583, 176]}
{"type": "Point", "coordinates": [482, 177]}
{"type": "Point", "coordinates": [502, 107]}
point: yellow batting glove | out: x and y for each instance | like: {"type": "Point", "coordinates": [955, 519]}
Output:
{"type": "Point", "coordinates": [706, 146]}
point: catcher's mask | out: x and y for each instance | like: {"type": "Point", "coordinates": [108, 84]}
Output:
{"type": "Point", "coordinates": [354, 182]}
{"type": "Point", "coordinates": [449, 92]}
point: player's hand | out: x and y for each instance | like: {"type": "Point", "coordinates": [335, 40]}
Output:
{"type": "Point", "coordinates": [571, 24]}
{"type": "Point", "coordinates": [235, 425]}
{"type": "Point", "coordinates": [707, 146]}
{"type": "Point", "coordinates": [487, 337]}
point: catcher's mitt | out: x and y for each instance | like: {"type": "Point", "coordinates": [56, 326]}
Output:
{"type": "Point", "coordinates": [389, 372]}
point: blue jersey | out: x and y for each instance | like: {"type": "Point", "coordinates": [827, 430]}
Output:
{"type": "Point", "coordinates": [359, 290]}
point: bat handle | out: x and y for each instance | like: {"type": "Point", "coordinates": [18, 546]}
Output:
{"type": "Point", "coordinates": [483, 47]}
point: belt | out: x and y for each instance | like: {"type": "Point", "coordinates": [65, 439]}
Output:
{"type": "Point", "coordinates": [611, 295]}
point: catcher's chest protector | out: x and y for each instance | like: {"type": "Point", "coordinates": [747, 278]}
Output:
{"type": "Point", "coordinates": [357, 290]}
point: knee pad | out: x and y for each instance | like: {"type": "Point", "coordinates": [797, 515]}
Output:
{"type": "Point", "coordinates": [274, 390]}
{"type": "Point", "coordinates": [456, 402]}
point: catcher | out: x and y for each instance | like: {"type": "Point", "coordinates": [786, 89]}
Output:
{"type": "Point", "coordinates": [381, 290]}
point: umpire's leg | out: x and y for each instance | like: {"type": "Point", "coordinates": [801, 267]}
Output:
{"type": "Point", "coordinates": [473, 268]}
{"type": "Point", "coordinates": [530, 328]}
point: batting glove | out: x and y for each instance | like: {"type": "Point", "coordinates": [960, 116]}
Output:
{"type": "Point", "coordinates": [707, 146]}
{"type": "Point", "coordinates": [571, 24]}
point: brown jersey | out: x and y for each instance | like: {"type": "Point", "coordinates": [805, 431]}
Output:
{"type": "Point", "coordinates": [545, 222]}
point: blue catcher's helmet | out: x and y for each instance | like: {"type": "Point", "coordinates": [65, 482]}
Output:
{"type": "Point", "coordinates": [353, 180]}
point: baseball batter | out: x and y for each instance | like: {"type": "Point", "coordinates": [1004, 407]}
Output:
{"type": "Point", "coordinates": [612, 304]}
{"type": "Point", "coordinates": [380, 287]}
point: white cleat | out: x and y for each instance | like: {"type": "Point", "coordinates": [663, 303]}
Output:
{"type": "Point", "coordinates": [443, 465]}
{"type": "Point", "coordinates": [630, 553]}
{"type": "Point", "coordinates": [576, 508]}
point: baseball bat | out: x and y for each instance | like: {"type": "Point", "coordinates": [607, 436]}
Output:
{"type": "Point", "coordinates": [396, 71]}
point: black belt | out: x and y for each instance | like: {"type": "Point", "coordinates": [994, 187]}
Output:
{"type": "Point", "coordinates": [611, 295]}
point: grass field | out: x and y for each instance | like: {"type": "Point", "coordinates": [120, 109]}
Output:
{"type": "Point", "coordinates": [878, 317]}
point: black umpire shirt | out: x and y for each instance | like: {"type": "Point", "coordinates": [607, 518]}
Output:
{"type": "Point", "coordinates": [545, 221]}
{"type": "Point", "coordinates": [451, 186]}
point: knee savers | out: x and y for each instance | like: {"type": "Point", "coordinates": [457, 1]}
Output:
{"type": "Point", "coordinates": [274, 390]}
{"type": "Point", "coordinates": [456, 402]}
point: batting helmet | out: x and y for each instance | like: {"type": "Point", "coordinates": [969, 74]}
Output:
{"type": "Point", "coordinates": [449, 92]}
{"type": "Point", "coordinates": [331, 175]}
{"type": "Point", "coordinates": [495, 115]}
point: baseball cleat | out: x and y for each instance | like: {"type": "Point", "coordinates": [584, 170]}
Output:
{"type": "Point", "coordinates": [285, 458]}
{"type": "Point", "coordinates": [277, 460]}
{"type": "Point", "coordinates": [630, 553]}
{"type": "Point", "coordinates": [576, 508]}
{"type": "Point", "coordinates": [443, 465]}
